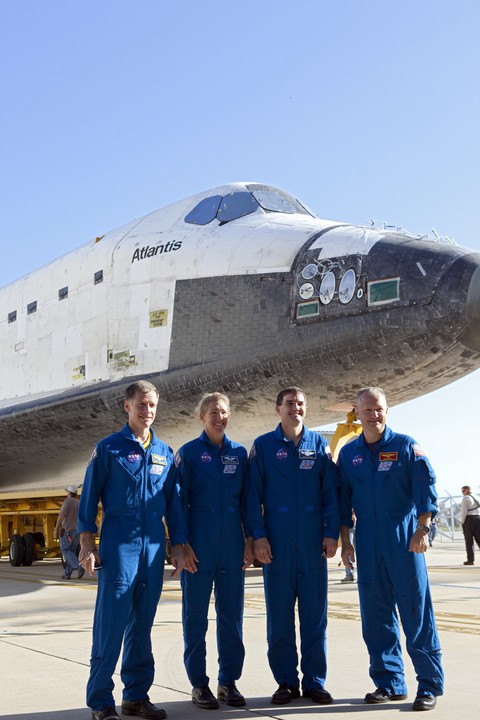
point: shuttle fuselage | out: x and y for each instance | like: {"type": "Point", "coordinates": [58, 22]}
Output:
{"type": "Point", "coordinates": [240, 289]}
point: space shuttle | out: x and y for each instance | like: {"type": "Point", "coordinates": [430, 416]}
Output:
{"type": "Point", "coordinates": [241, 289]}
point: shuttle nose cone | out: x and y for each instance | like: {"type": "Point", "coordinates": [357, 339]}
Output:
{"type": "Point", "coordinates": [470, 337]}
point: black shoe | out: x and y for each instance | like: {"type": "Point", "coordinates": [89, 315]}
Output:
{"type": "Point", "coordinates": [469, 562]}
{"type": "Point", "coordinates": [143, 708]}
{"type": "Point", "coordinates": [204, 698]}
{"type": "Point", "coordinates": [424, 702]}
{"type": "Point", "coordinates": [67, 577]}
{"type": "Point", "coordinates": [230, 694]}
{"type": "Point", "coordinates": [318, 695]}
{"type": "Point", "coordinates": [381, 696]}
{"type": "Point", "coordinates": [108, 713]}
{"type": "Point", "coordinates": [81, 573]}
{"type": "Point", "coordinates": [284, 694]}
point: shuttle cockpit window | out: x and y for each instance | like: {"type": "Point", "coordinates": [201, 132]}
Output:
{"type": "Point", "coordinates": [273, 200]}
{"type": "Point", "coordinates": [238, 204]}
{"type": "Point", "coordinates": [205, 211]}
{"type": "Point", "coordinates": [224, 209]}
{"type": "Point", "coordinates": [235, 205]}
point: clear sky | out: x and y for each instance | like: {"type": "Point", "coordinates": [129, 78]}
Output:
{"type": "Point", "coordinates": [363, 109]}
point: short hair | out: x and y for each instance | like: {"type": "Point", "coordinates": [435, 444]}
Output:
{"type": "Point", "coordinates": [292, 390]}
{"type": "Point", "coordinates": [467, 488]}
{"type": "Point", "coordinates": [371, 390]}
{"type": "Point", "coordinates": [207, 398]}
{"type": "Point", "coordinates": [140, 386]}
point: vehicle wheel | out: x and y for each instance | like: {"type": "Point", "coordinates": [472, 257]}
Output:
{"type": "Point", "coordinates": [29, 556]}
{"type": "Point", "coordinates": [17, 550]}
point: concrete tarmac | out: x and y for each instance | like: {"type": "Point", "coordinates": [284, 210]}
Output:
{"type": "Point", "coordinates": [45, 638]}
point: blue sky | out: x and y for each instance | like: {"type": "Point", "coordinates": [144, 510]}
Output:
{"type": "Point", "coordinates": [364, 110]}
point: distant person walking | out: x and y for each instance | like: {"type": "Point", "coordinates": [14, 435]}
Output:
{"type": "Point", "coordinates": [470, 519]}
{"type": "Point", "coordinates": [349, 567]}
{"type": "Point", "coordinates": [66, 529]}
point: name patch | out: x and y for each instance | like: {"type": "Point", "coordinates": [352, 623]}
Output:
{"type": "Point", "coordinates": [307, 464]}
{"type": "Point", "coordinates": [159, 459]}
{"type": "Point", "coordinates": [229, 459]}
{"type": "Point", "coordinates": [156, 470]}
{"type": "Point", "coordinates": [384, 456]}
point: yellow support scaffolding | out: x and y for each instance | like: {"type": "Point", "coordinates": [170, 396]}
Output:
{"type": "Point", "coordinates": [345, 432]}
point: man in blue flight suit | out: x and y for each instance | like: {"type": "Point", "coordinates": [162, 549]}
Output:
{"type": "Point", "coordinates": [292, 512]}
{"type": "Point", "coordinates": [211, 472]}
{"type": "Point", "coordinates": [132, 473]}
{"type": "Point", "coordinates": [388, 481]}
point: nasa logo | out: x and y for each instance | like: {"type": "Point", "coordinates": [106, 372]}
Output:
{"type": "Point", "coordinates": [205, 457]}
{"type": "Point", "coordinates": [133, 457]}
{"type": "Point", "coordinates": [357, 460]}
{"type": "Point", "coordinates": [282, 454]}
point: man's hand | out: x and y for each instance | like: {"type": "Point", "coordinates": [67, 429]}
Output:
{"type": "Point", "coordinates": [88, 555]}
{"type": "Point", "coordinates": [330, 546]}
{"type": "Point", "coordinates": [191, 559]}
{"type": "Point", "coordinates": [183, 558]}
{"type": "Point", "coordinates": [248, 553]}
{"type": "Point", "coordinates": [262, 550]}
{"type": "Point", "coordinates": [348, 554]}
{"type": "Point", "coordinates": [418, 543]}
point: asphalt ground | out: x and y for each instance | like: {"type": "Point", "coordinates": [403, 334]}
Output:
{"type": "Point", "coordinates": [45, 638]}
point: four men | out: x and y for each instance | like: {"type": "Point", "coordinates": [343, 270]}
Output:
{"type": "Point", "coordinates": [285, 509]}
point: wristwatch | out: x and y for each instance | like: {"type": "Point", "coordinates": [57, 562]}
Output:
{"type": "Point", "coordinates": [424, 528]}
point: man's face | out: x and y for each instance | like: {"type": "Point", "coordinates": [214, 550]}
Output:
{"type": "Point", "coordinates": [372, 413]}
{"type": "Point", "coordinates": [141, 409]}
{"type": "Point", "coordinates": [215, 418]}
{"type": "Point", "coordinates": [292, 410]}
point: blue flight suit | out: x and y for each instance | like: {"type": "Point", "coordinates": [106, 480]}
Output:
{"type": "Point", "coordinates": [389, 489]}
{"type": "Point", "coordinates": [297, 487]}
{"type": "Point", "coordinates": [137, 489]}
{"type": "Point", "coordinates": [212, 483]}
